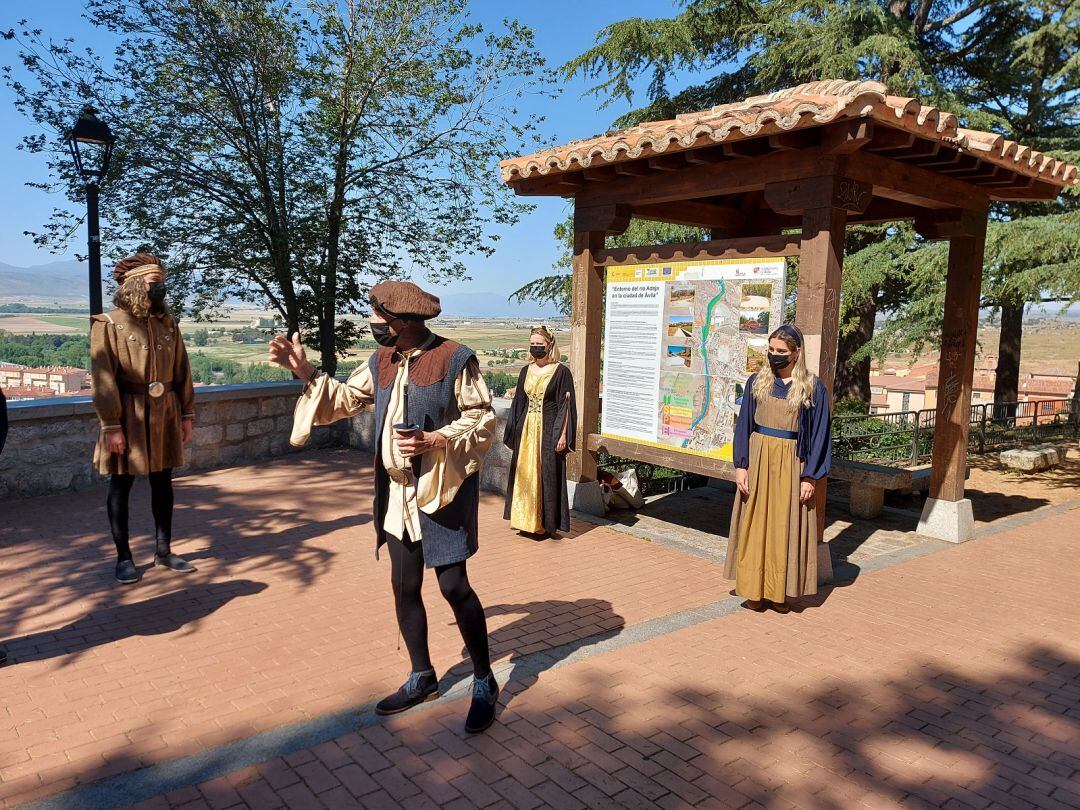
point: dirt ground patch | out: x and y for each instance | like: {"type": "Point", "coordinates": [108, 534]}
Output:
{"type": "Point", "coordinates": [25, 324]}
{"type": "Point", "coordinates": [997, 491]}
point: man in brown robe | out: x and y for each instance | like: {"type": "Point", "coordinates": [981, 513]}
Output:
{"type": "Point", "coordinates": [434, 424]}
{"type": "Point", "coordinates": [145, 401]}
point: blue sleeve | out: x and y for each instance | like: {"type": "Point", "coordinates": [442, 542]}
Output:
{"type": "Point", "coordinates": [744, 426]}
{"type": "Point", "coordinates": [819, 454]}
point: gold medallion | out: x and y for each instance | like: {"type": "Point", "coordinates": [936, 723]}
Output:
{"type": "Point", "coordinates": [400, 476]}
{"type": "Point", "coordinates": [155, 389]}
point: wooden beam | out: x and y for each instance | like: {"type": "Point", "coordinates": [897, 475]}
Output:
{"type": "Point", "coordinates": [747, 247]}
{"type": "Point", "coordinates": [919, 149]}
{"type": "Point", "coordinates": [796, 139]}
{"type": "Point", "coordinates": [796, 196]}
{"type": "Point", "coordinates": [694, 214]}
{"type": "Point", "coordinates": [1030, 190]}
{"type": "Point", "coordinates": [817, 304]}
{"type": "Point", "coordinates": [937, 226]}
{"type": "Point", "coordinates": [912, 184]}
{"type": "Point", "coordinates": [956, 365]}
{"type": "Point", "coordinates": [604, 219]}
{"type": "Point", "coordinates": [749, 148]}
{"type": "Point", "coordinates": [963, 166]}
{"type": "Point", "coordinates": [635, 168]}
{"type": "Point", "coordinates": [882, 210]}
{"type": "Point", "coordinates": [585, 329]}
{"type": "Point", "coordinates": [847, 137]}
{"type": "Point", "coordinates": [702, 465]}
{"type": "Point", "coordinates": [705, 156]}
{"type": "Point", "coordinates": [559, 185]}
{"type": "Point", "coordinates": [599, 174]}
{"type": "Point", "coordinates": [696, 182]}
{"type": "Point", "coordinates": [887, 139]}
{"type": "Point", "coordinates": [667, 163]}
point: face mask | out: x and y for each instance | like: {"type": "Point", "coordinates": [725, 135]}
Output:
{"type": "Point", "coordinates": [539, 352]}
{"type": "Point", "coordinates": [156, 292]}
{"type": "Point", "coordinates": [382, 334]}
{"type": "Point", "coordinates": [779, 361]}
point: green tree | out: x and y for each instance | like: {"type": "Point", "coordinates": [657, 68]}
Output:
{"type": "Point", "coordinates": [983, 59]}
{"type": "Point", "coordinates": [286, 154]}
{"type": "Point", "coordinates": [201, 337]}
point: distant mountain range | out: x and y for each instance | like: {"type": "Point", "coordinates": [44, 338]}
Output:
{"type": "Point", "coordinates": [64, 283]}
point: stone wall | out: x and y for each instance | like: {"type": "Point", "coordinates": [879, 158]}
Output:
{"type": "Point", "coordinates": [50, 445]}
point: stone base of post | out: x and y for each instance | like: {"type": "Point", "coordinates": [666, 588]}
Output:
{"type": "Point", "coordinates": [952, 521]}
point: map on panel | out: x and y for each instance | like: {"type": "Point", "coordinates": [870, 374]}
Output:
{"type": "Point", "coordinates": [680, 339]}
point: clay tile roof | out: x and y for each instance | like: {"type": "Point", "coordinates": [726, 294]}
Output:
{"type": "Point", "coordinates": [803, 107]}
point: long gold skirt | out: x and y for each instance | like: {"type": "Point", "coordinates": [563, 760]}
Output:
{"type": "Point", "coordinates": [772, 545]}
{"type": "Point", "coordinates": [527, 512]}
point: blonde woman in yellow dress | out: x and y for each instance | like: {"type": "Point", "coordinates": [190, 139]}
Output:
{"type": "Point", "coordinates": [540, 431]}
{"type": "Point", "coordinates": [783, 448]}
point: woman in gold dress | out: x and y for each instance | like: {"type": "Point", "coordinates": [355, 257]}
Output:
{"type": "Point", "coordinates": [783, 448]}
{"type": "Point", "coordinates": [540, 431]}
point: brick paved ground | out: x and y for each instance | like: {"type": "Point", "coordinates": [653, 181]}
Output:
{"type": "Point", "coordinates": [951, 680]}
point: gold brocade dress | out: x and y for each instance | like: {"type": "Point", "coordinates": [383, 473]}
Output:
{"type": "Point", "coordinates": [527, 511]}
{"type": "Point", "coordinates": [772, 544]}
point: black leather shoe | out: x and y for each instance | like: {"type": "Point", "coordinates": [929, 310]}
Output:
{"type": "Point", "coordinates": [3, 656]}
{"type": "Point", "coordinates": [421, 687]}
{"type": "Point", "coordinates": [173, 563]}
{"type": "Point", "coordinates": [485, 699]}
{"type": "Point", "coordinates": [127, 573]}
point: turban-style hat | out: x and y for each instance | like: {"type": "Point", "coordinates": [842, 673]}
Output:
{"type": "Point", "coordinates": [141, 264]}
{"type": "Point", "coordinates": [404, 300]}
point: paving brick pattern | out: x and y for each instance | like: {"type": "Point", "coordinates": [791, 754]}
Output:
{"type": "Point", "coordinates": [289, 617]}
{"type": "Point", "coordinates": [951, 680]}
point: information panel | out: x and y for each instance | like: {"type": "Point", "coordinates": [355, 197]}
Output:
{"type": "Point", "coordinates": [680, 339]}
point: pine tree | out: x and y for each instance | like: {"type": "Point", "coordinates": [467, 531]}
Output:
{"type": "Point", "coordinates": [979, 59]}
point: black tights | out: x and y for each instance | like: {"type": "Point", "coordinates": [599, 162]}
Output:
{"type": "Point", "coordinates": [161, 504]}
{"type": "Point", "coordinates": [407, 573]}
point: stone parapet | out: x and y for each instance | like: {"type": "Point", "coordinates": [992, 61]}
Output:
{"type": "Point", "coordinates": [50, 445]}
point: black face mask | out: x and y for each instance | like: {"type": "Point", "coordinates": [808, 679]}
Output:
{"type": "Point", "coordinates": [382, 334]}
{"type": "Point", "coordinates": [539, 352]}
{"type": "Point", "coordinates": [779, 361]}
{"type": "Point", "coordinates": [156, 292]}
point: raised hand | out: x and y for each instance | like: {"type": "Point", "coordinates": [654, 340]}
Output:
{"type": "Point", "coordinates": [290, 354]}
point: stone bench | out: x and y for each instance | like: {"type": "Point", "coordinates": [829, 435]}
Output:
{"type": "Point", "coordinates": [1035, 458]}
{"type": "Point", "coordinates": [869, 482]}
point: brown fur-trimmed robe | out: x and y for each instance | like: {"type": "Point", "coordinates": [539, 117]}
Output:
{"type": "Point", "coordinates": [139, 351]}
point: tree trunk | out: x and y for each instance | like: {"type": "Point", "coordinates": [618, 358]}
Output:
{"type": "Point", "coordinates": [853, 379]}
{"type": "Point", "coordinates": [1007, 381]}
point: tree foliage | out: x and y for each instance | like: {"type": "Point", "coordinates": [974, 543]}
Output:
{"type": "Point", "coordinates": [1000, 65]}
{"type": "Point", "coordinates": [289, 155]}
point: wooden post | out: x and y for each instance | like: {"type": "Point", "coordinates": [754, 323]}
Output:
{"type": "Point", "coordinates": [947, 514]}
{"type": "Point", "coordinates": [585, 338]}
{"type": "Point", "coordinates": [817, 314]}
{"type": "Point", "coordinates": [591, 225]}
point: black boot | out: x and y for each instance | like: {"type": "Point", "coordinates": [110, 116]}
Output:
{"type": "Point", "coordinates": [127, 573]}
{"type": "Point", "coordinates": [485, 699]}
{"type": "Point", "coordinates": [421, 687]}
{"type": "Point", "coordinates": [164, 557]}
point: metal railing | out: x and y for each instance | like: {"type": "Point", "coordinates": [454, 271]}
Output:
{"type": "Point", "coordinates": [906, 438]}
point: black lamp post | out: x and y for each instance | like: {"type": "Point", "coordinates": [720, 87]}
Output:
{"type": "Point", "coordinates": [91, 132]}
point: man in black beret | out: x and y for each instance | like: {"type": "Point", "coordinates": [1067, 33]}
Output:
{"type": "Point", "coordinates": [433, 426]}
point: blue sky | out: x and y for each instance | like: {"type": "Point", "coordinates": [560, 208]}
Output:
{"type": "Point", "coordinates": [564, 28]}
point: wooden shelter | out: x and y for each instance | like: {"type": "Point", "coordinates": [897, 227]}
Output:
{"type": "Point", "coordinates": [817, 157]}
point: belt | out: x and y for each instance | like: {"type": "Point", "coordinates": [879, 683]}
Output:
{"type": "Point", "coordinates": [776, 433]}
{"type": "Point", "coordinates": [154, 389]}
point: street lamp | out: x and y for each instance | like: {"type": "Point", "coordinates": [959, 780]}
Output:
{"type": "Point", "coordinates": [92, 166]}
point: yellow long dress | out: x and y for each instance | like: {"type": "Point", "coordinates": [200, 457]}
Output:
{"type": "Point", "coordinates": [772, 544]}
{"type": "Point", "coordinates": [527, 511]}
